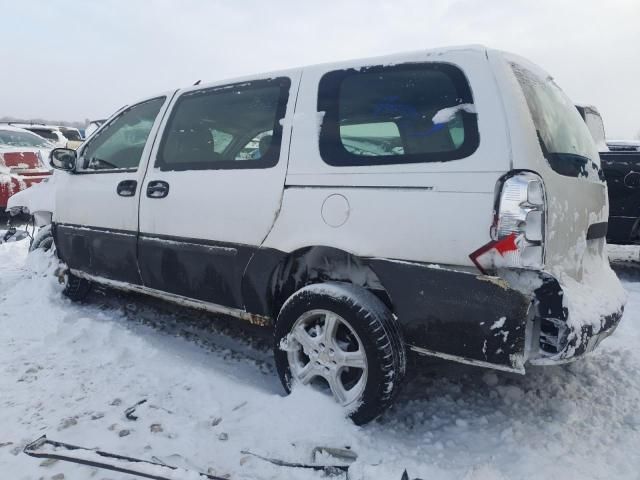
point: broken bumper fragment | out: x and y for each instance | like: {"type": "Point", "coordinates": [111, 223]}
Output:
{"type": "Point", "coordinates": [559, 336]}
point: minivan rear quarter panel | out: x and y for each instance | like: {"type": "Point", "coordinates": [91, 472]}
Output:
{"type": "Point", "coordinates": [574, 202]}
{"type": "Point", "coordinates": [428, 212]}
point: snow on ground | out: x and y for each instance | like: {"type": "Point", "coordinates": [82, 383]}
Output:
{"type": "Point", "coordinates": [69, 371]}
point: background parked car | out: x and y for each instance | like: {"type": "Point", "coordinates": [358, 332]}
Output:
{"type": "Point", "coordinates": [74, 139]}
{"type": "Point", "coordinates": [61, 137]}
{"type": "Point", "coordinates": [11, 137]}
{"type": "Point", "coordinates": [92, 127]}
{"type": "Point", "coordinates": [620, 162]}
{"type": "Point", "coordinates": [624, 145]}
{"type": "Point", "coordinates": [23, 161]}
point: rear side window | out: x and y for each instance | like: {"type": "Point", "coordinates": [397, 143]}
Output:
{"type": "Point", "coordinates": [234, 126]}
{"type": "Point", "coordinates": [17, 138]}
{"type": "Point", "coordinates": [409, 113]}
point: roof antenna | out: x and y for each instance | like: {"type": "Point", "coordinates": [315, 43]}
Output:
{"type": "Point", "coordinates": [197, 83]}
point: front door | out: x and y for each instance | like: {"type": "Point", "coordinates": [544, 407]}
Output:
{"type": "Point", "coordinates": [213, 187]}
{"type": "Point", "coordinates": [96, 212]}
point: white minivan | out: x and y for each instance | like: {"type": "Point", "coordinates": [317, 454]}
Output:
{"type": "Point", "coordinates": [446, 203]}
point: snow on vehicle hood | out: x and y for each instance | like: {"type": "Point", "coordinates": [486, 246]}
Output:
{"type": "Point", "coordinates": [37, 198]}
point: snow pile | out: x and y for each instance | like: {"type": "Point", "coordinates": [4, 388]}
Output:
{"type": "Point", "coordinates": [597, 294]}
{"type": "Point", "coordinates": [447, 114]}
{"type": "Point", "coordinates": [70, 371]}
{"type": "Point", "coordinates": [87, 366]}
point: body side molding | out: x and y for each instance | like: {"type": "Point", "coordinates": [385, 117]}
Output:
{"type": "Point", "coordinates": [254, 319]}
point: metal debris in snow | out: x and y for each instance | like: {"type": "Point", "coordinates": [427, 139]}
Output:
{"type": "Point", "coordinates": [45, 448]}
{"type": "Point", "coordinates": [129, 411]}
{"type": "Point", "coordinates": [329, 469]}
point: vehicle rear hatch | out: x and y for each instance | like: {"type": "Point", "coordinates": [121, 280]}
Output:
{"type": "Point", "coordinates": [560, 149]}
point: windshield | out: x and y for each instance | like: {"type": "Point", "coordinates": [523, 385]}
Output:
{"type": "Point", "coordinates": [15, 138]}
{"type": "Point", "coordinates": [564, 137]}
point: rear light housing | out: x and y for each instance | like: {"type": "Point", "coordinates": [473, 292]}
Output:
{"type": "Point", "coordinates": [18, 162]}
{"type": "Point", "coordinates": [520, 214]}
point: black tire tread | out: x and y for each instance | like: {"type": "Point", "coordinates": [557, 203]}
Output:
{"type": "Point", "coordinates": [383, 332]}
{"type": "Point", "coordinates": [41, 238]}
{"type": "Point", "coordinates": [76, 288]}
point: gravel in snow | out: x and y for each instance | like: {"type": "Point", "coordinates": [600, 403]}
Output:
{"type": "Point", "coordinates": [70, 371]}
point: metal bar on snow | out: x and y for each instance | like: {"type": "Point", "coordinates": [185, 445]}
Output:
{"type": "Point", "coordinates": [105, 460]}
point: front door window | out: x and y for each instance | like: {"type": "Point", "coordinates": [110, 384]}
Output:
{"type": "Point", "coordinates": [120, 144]}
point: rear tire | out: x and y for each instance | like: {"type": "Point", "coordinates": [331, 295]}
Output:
{"type": "Point", "coordinates": [75, 288]}
{"type": "Point", "coordinates": [363, 366]}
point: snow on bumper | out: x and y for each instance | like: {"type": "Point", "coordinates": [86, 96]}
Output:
{"type": "Point", "coordinates": [574, 317]}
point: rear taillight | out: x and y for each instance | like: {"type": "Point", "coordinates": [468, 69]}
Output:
{"type": "Point", "coordinates": [520, 214]}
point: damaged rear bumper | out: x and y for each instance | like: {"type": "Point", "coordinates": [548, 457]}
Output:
{"type": "Point", "coordinates": [457, 314]}
{"type": "Point", "coordinates": [502, 322]}
{"type": "Point", "coordinates": [583, 341]}
{"type": "Point", "coordinates": [556, 338]}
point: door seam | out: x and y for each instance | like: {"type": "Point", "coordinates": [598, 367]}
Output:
{"type": "Point", "coordinates": [282, 190]}
{"type": "Point", "coordinates": [144, 177]}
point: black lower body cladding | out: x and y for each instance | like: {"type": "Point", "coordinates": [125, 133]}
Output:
{"type": "Point", "coordinates": [623, 230]}
{"type": "Point", "coordinates": [461, 315]}
{"type": "Point", "coordinates": [450, 312]}
{"type": "Point", "coordinates": [482, 320]}
{"type": "Point", "coordinates": [102, 252]}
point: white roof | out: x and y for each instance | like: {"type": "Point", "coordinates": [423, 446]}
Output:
{"type": "Point", "coordinates": [27, 126]}
{"type": "Point", "coordinates": [13, 128]}
{"type": "Point", "coordinates": [388, 59]}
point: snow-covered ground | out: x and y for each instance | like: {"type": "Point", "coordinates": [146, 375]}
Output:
{"type": "Point", "coordinates": [69, 371]}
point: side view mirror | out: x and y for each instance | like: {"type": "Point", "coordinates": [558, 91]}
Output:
{"type": "Point", "coordinates": [63, 159]}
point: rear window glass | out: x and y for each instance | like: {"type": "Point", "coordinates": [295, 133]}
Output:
{"type": "Point", "coordinates": [48, 134]}
{"type": "Point", "coordinates": [73, 135]}
{"type": "Point", "coordinates": [379, 138]}
{"type": "Point", "coordinates": [16, 138]}
{"type": "Point", "coordinates": [564, 137]}
{"type": "Point", "coordinates": [419, 112]}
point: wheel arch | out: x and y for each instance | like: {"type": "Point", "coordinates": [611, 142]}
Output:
{"type": "Point", "coordinates": [271, 276]}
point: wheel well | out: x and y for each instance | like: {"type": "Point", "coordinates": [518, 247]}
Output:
{"type": "Point", "coordinates": [319, 264]}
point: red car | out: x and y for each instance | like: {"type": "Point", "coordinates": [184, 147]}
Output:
{"type": "Point", "coordinates": [22, 161]}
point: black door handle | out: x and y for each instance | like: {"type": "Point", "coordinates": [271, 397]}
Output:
{"type": "Point", "coordinates": [157, 189]}
{"type": "Point", "coordinates": [127, 188]}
